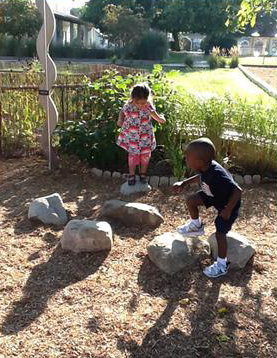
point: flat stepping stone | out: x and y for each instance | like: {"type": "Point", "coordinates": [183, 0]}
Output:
{"type": "Point", "coordinates": [127, 189]}
{"type": "Point", "coordinates": [132, 214]}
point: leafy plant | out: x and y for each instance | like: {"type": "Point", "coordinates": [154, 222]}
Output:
{"type": "Point", "coordinates": [188, 60]}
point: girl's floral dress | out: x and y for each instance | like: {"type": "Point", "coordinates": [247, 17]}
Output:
{"type": "Point", "coordinates": [137, 135]}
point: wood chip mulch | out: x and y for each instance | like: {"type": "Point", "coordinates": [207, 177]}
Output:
{"type": "Point", "coordinates": [118, 304]}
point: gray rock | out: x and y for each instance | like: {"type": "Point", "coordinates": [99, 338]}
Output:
{"type": "Point", "coordinates": [130, 214]}
{"type": "Point", "coordinates": [239, 250]}
{"type": "Point", "coordinates": [257, 179]}
{"type": "Point", "coordinates": [239, 179]}
{"type": "Point", "coordinates": [154, 181]}
{"type": "Point", "coordinates": [163, 181]}
{"type": "Point", "coordinates": [172, 180]}
{"type": "Point", "coordinates": [248, 180]}
{"type": "Point", "coordinates": [116, 175]}
{"type": "Point", "coordinates": [107, 174]}
{"type": "Point", "coordinates": [97, 172]}
{"type": "Point", "coordinates": [86, 235]}
{"type": "Point", "coordinates": [127, 189]}
{"type": "Point", "coordinates": [172, 252]}
{"type": "Point", "coordinates": [49, 210]}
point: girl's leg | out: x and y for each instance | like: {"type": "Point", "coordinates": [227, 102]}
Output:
{"type": "Point", "coordinates": [133, 161]}
{"type": "Point", "coordinates": [144, 163]}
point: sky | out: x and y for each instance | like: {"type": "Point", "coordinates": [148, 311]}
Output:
{"type": "Point", "coordinates": [65, 5]}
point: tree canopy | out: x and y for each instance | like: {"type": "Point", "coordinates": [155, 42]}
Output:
{"type": "Point", "coordinates": [19, 18]}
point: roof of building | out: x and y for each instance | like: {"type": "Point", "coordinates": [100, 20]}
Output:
{"type": "Point", "coordinates": [70, 18]}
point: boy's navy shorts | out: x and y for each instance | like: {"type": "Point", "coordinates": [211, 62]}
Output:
{"type": "Point", "coordinates": [222, 226]}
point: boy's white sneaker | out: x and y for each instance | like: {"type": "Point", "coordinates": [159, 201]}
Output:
{"type": "Point", "coordinates": [191, 229]}
{"type": "Point", "coordinates": [215, 270]}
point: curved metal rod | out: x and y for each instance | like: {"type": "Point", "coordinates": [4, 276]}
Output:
{"type": "Point", "coordinates": [44, 39]}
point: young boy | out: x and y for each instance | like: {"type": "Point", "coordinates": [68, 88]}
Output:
{"type": "Point", "coordinates": [218, 189]}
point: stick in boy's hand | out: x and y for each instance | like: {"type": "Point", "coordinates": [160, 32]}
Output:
{"type": "Point", "coordinates": [177, 187]}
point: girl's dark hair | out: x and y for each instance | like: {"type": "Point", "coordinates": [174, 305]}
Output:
{"type": "Point", "coordinates": [141, 91]}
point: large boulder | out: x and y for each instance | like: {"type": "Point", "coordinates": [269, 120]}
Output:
{"type": "Point", "coordinates": [132, 213]}
{"type": "Point", "coordinates": [49, 210]}
{"type": "Point", "coordinates": [172, 252]}
{"type": "Point", "coordinates": [239, 250]}
{"type": "Point", "coordinates": [86, 235]}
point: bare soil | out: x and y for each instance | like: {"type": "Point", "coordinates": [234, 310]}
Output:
{"type": "Point", "coordinates": [118, 304]}
{"type": "Point", "coordinates": [267, 74]}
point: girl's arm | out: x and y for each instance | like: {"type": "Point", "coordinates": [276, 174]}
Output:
{"type": "Point", "coordinates": [157, 118]}
{"type": "Point", "coordinates": [121, 118]}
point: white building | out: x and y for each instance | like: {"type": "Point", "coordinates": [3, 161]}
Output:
{"type": "Point", "coordinates": [70, 29]}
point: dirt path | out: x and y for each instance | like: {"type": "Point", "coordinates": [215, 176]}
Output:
{"type": "Point", "coordinates": [56, 304]}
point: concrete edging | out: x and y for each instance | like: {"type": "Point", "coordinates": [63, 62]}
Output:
{"type": "Point", "coordinates": [163, 181]}
{"type": "Point", "coordinates": [260, 83]}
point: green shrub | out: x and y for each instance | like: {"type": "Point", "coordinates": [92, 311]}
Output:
{"type": "Point", "coordinates": [221, 62]}
{"type": "Point", "coordinates": [221, 41]}
{"type": "Point", "coordinates": [152, 46]}
{"type": "Point", "coordinates": [188, 60]}
{"type": "Point", "coordinates": [234, 62]}
{"type": "Point", "coordinates": [212, 61]}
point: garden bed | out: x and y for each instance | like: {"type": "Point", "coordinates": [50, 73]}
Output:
{"type": "Point", "coordinates": [267, 74]}
{"type": "Point", "coordinates": [56, 304]}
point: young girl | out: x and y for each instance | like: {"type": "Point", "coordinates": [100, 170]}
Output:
{"type": "Point", "coordinates": [137, 135]}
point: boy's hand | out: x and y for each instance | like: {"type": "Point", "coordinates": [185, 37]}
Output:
{"type": "Point", "coordinates": [225, 213]}
{"type": "Point", "coordinates": [177, 187]}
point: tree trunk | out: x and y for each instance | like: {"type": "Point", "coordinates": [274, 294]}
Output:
{"type": "Point", "coordinates": [176, 45]}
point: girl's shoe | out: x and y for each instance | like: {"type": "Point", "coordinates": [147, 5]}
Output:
{"type": "Point", "coordinates": [143, 178]}
{"type": "Point", "coordinates": [131, 180]}
{"type": "Point", "coordinates": [190, 229]}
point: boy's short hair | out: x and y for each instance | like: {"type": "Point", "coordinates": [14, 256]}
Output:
{"type": "Point", "coordinates": [204, 148]}
{"type": "Point", "coordinates": [141, 91]}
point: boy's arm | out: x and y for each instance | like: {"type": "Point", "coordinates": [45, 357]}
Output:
{"type": "Point", "coordinates": [179, 186]}
{"type": "Point", "coordinates": [157, 118]}
{"type": "Point", "coordinates": [121, 118]}
{"type": "Point", "coordinates": [235, 197]}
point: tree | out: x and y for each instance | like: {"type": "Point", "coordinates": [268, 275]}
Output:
{"type": "Point", "coordinates": [204, 16]}
{"type": "Point", "coordinates": [19, 18]}
{"type": "Point", "coordinates": [250, 10]}
{"type": "Point", "coordinates": [122, 25]}
{"type": "Point", "coordinates": [94, 10]}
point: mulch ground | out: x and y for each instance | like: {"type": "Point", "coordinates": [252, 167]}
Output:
{"type": "Point", "coordinates": [267, 74]}
{"type": "Point", "coordinates": [118, 304]}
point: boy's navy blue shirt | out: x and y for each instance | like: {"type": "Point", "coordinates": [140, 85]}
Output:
{"type": "Point", "coordinates": [218, 184]}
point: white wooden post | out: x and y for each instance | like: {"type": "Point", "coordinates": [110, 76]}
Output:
{"type": "Point", "coordinates": [44, 39]}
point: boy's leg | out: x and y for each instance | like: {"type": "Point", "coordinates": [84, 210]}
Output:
{"type": "Point", "coordinates": [220, 266]}
{"type": "Point", "coordinates": [221, 244]}
{"type": "Point", "coordinates": [194, 227]}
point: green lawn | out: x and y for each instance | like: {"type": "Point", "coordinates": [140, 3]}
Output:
{"type": "Point", "coordinates": [219, 82]}
{"type": "Point", "coordinates": [266, 61]}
